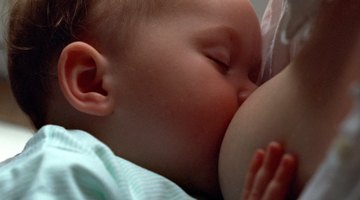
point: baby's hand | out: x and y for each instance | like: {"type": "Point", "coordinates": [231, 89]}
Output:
{"type": "Point", "coordinates": [270, 174]}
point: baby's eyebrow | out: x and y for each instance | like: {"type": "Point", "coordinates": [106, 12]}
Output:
{"type": "Point", "coordinates": [226, 30]}
{"type": "Point", "coordinates": [223, 34]}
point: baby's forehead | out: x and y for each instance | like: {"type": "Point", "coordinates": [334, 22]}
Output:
{"type": "Point", "coordinates": [143, 7]}
{"type": "Point", "coordinates": [120, 12]}
{"type": "Point", "coordinates": [118, 17]}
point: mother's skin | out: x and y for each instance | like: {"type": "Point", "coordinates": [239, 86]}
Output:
{"type": "Point", "coordinates": [302, 106]}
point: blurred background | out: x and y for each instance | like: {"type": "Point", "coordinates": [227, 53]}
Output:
{"type": "Point", "coordinates": [259, 6]}
{"type": "Point", "coordinates": [15, 128]}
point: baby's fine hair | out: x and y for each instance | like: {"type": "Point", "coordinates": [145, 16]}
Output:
{"type": "Point", "coordinates": [39, 30]}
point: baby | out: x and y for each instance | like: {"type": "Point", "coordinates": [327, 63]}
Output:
{"type": "Point", "coordinates": [156, 81]}
{"type": "Point", "coordinates": [303, 105]}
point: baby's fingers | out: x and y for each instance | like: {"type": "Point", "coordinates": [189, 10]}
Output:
{"type": "Point", "coordinates": [280, 184]}
{"type": "Point", "coordinates": [267, 171]}
{"type": "Point", "coordinates": [258, 180]}
{"type": "Point", "coordinates": [255, 165]}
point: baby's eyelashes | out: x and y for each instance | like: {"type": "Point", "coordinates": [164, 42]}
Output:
{"type": "Point", "coordinates": [220, 65]}
{"type": "Point", "coordinates": [221, 57]}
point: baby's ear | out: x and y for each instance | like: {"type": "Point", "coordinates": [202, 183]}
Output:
{"type": "Point", "coordinates": [84, 79]}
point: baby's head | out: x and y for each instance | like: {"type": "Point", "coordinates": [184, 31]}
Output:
{"type": "Point", "coordinates": [38, 32]}
{"type": "Point", "coordinates": [158, 81]}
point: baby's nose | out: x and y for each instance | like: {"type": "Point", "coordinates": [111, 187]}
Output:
{"type": "Point", "coordinates": [244, 93]}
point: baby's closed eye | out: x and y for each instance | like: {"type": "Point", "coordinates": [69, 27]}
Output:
{"type": "Point", "coordinates": [221, 57]}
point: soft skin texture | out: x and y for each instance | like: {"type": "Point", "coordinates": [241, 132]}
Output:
{"type": "Point", "coordinates": [270, 174]}
{"type": "Point", "coordinates": [165, 104]}
{"type": "Point", "coordinates": [302, 106]}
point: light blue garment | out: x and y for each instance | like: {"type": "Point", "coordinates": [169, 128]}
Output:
{"type": "Point", "coordinates": [71, 164]}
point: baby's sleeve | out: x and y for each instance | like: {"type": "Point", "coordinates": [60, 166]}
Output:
{"type": "Point", "coordinates": [71, 164]}
{"type": "Point", "coordinates": [57, 175]}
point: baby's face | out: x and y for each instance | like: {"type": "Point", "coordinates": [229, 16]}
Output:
{"type": "Point", "coordinates": [184, 77]}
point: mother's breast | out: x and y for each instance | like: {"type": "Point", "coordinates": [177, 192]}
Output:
{"type": "Point", "coordinates": [278, 111]}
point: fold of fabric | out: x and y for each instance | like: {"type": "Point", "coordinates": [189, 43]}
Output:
{"type": "Point", "coordinates": [285, 26]}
